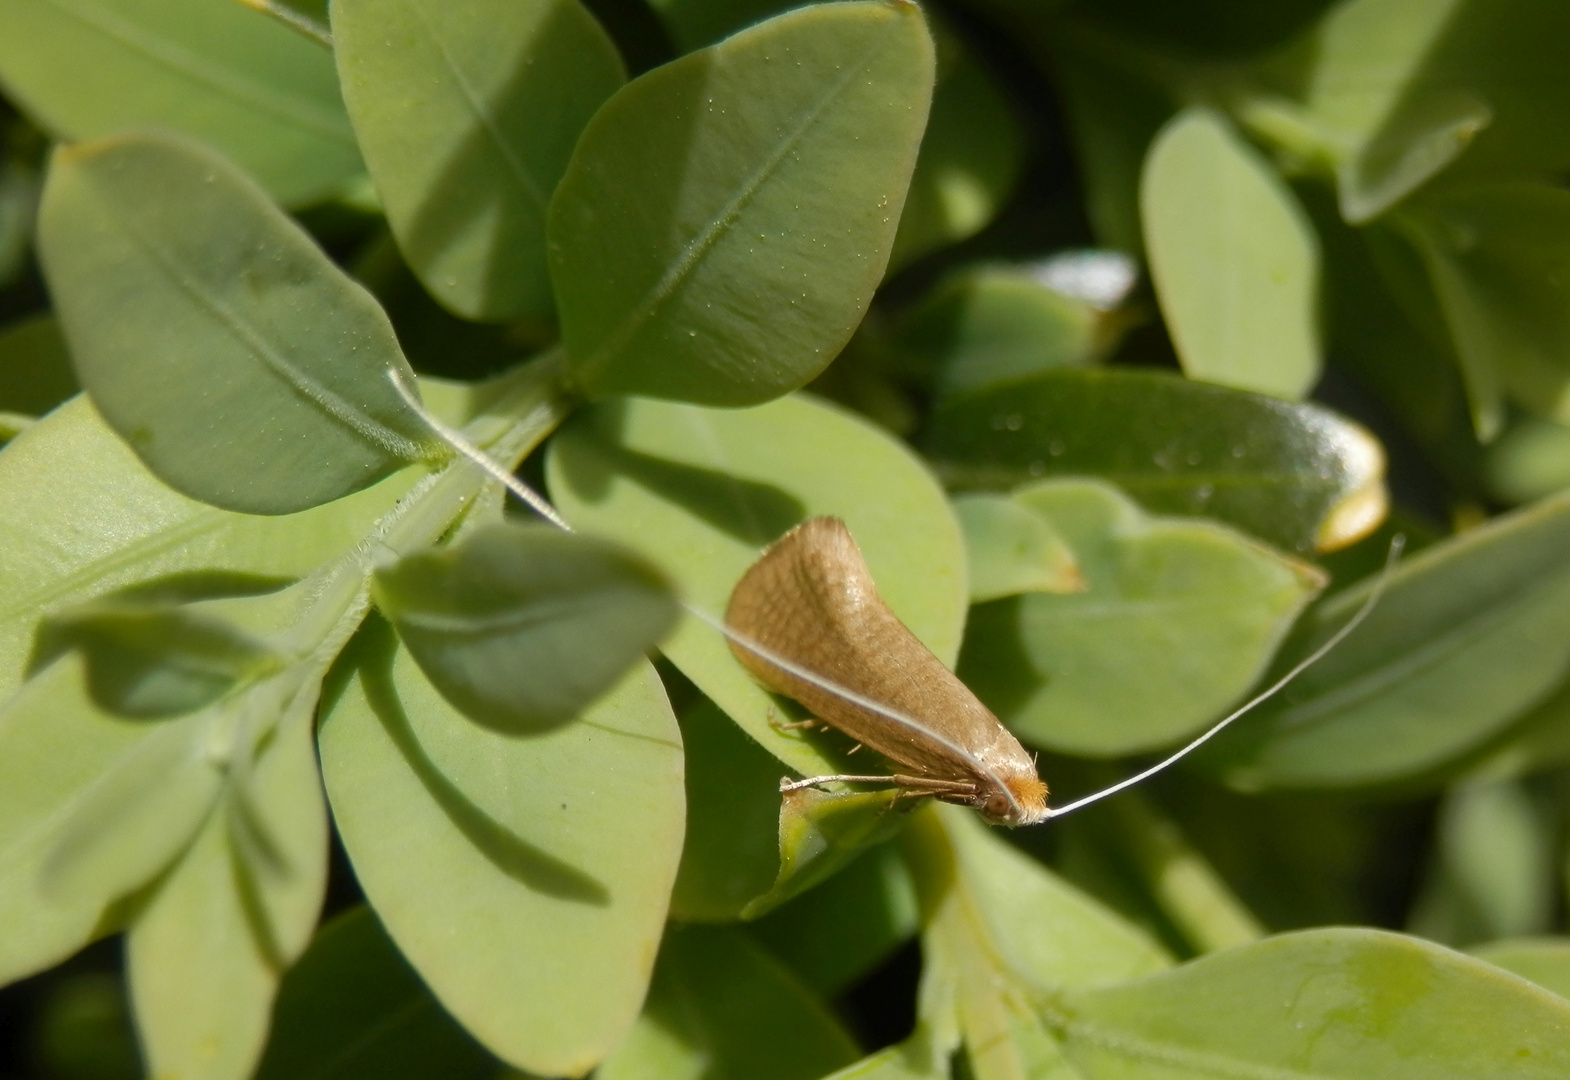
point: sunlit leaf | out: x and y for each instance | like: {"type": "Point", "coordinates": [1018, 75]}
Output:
{"type": "Point", "coordinates": [1544, 960]}
{"type": "Point", "coordinates": [1013, 550]}
{"type": "Point", "coordinates": [523, 626]}
{"type": "Point", "coordinates": [256, 90]}
{"type": "Point", "coordinates": [1424, 1012]}
{"type": "Point", "coordinates": [467, 115]}
{"type": "Point", "coordinates": [1175, 621]}
{"type": "Point", "coordinates": [821, 832]}
{"type": "Point", "coordinates": [526, 879]}
{"type": "Point", "coordinates": [241, 365]}
{"type": "Point", "coordinates": [699, 282]}
{"type": "Point", "coordinates": [1234, 259]}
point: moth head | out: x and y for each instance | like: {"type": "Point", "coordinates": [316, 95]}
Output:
{"type": "Point", "coordinates": [1024, 803]}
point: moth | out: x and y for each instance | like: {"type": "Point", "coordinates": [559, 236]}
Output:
{"type": "Point", "coordinates": [809, 607]}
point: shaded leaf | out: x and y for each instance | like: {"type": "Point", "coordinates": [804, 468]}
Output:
{"type": "Point", "coordinates": [731, 853]}
{"type": "Point", "coordinates": [35, 370]}
{"type": "Point", "coordinates": [703, 491]}
{"type": "Point", "coordinates": [1013, 550]}
{"type": "Point", "coordinates": [353, 1009]}
{"type": "Point", "coordinates": [1297, 476]}
{"type": "Point", "coordinates": [233, 78]}
{"type": "Point", "coordinates": [523, 626]}
{"type": "Point", "coordinates": [526, 879]}
{"type": "Point", "coordinates": [1176, 620]}
{"type": "Point", "coordinates": [1530, 460]}
{"type": "Point", "coordinates": [241, 365]}
{"type": "Point", "coordinates": [838, 932]}
{"type": "Point", "coordinates": [1234, 259]}
{"type": "Point", "coordinates": [969, 161]}
{"type": "Point", "coordinates": [1469, 634]}
{"type": "Point", "coordinates": [467, 115]}
{"type": "Point", "coordinates": [699, 283]}
{"type": "Point", "coordinates": [721, 1008]}
{"type": "Point", "coordinates": [1422, 1011]}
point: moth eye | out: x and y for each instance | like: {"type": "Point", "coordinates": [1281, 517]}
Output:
{"type": "Point", "coordinates": [996, 807]}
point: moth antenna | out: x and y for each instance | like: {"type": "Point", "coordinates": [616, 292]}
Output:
{"type": "Point", "coordinates": [1396, 544]}
{"type": "Point", "coordinates": [489, 465]}
{"type": "Point", "coordinates": [539, 505]}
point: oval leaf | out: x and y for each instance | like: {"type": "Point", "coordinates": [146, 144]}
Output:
{"type": "Point", "coordinates": [242, 366]}
{"type": "Point", "coordinates": [467, 115]}
{"type": "Point", "coordinates": [1176, 620]}
{"type": "Point", "coordinates": [1013, 550]}
{"type": "Point", "coordinates": [523, 626]}
{"type": "Point", "coordinates": [1297, 476]}
{"type": "Point", "coordinates": [1234, 259]}
{"type": "Point", "coordinates": [1543, 960]}
{"type": "Point", "coordinates": [1396, 1007]}
{"type": "Point", "coordinates": [1470, 633]}
{"type": "Point", "coordinates": [233, 78]}
{"type": "Point", "coordinates": [726, 218]}
{"type": "Point", "coordinates": [703, 491]}
{"type": "Point", "coordinates": [526, 879]}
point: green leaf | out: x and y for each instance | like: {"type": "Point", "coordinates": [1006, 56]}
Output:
{"type": "Point", "coordinates": [678, 252]}
{"type": "Point", "coordinates": [1543, 960]}
{"type": "Point", "coordinates": [151, 660]}
{"type": "Point", "coordinates": [205, 955]}
{"type": "Point", "coordinates": [1530, 460]}
{"type": "Point", "coordinates": [353, 1009]}
{"type": "Point", "coordinates": [731, 853]}
{"type": "Point", "coordinates": [821, 832]}
{"type": "Point", "coordinates": [521, 627]}
{"type": "Point", "coordinates": [990, 325]}
{"type": "Point", "coordinates": [83, 1029]}
{"type": "Point", "coordinates": [1494, 868]}
{"type": "Point", "coordinates": [241, 365]}
{"type": "Point", "coordinates": [526, 879]}
{"type": "Point", "coordinates": [1233, 257]}
{"type": "Point", "coordinates": [54, 744]}
{"type": "Point", "coordinates": [233, 78]}
{"type": "Point", "coordinates": [723, 1009]}
{"type": "Point", "coordinates": [35, 370]}
{"type": "Point", "coordinates": [1469, 634]}
{"type": "Point", "coordinates": [836, 934]}
{"type": "Point", "coordinates": [467, 116]}
{"type": "Point", "coordinates": [1495, 254]}
{"type": "Point", "coordinates": [71, 468]}
{"type": "Point", "coordinates": [1013, 550]}
{"type": "Point", "coordinates": [1297, 476]}
{"type": "Point", "coordinates": [703, 491]}
{"type": "Point", "coordinates": [1392, 1007]}
{"type": "Point", "coordinates": [968, 165]}
{"type": "Point", "coordinates": [1177, 618]}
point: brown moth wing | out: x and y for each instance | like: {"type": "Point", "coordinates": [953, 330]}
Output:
{"type": "Point", "coordinates": [811, 600]}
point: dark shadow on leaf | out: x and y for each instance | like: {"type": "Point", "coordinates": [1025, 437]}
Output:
{"type": "Point", "coordinates": [994, 662]}
{"type": "Point", "coordinates": [374, 651]}
{"type": "Point", "coordinates": [753, 512]}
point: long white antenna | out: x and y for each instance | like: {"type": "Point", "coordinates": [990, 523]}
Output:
{"type": "Point", "coordinates": [1396, 544]}
{"type": "Point", "coordinates": [489, 465]}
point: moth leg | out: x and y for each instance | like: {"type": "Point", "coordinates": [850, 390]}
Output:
{"type": "Point", "coordinates": [792, 725]}
{"type": "Point", "coordinates": [853, 749]}
{"type": "Point", "coordinates": [916, 785]}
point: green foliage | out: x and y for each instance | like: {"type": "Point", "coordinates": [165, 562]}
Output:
{"type": "Point", "coordinates": [261, 602]}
